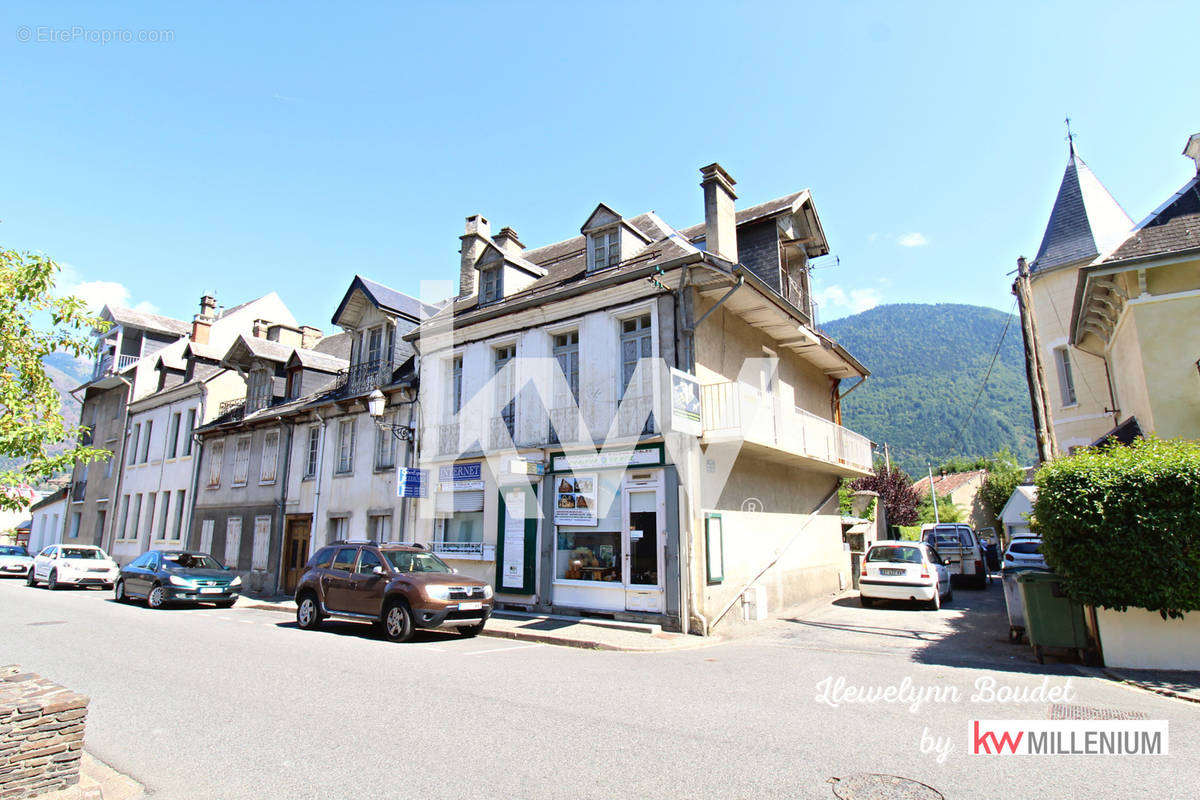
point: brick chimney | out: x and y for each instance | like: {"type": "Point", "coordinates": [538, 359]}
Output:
{"type": "Point", "coordinates": [309, 336]}
{"type": "Point", "coordinates": [202, 322]}
{"type": "Point", "coordinates": [508, 242]}
{"type": "Point", "coordinates": [473, 242]}
{"type": "Point", "coordinates": [720, 224]}
{"type": "Point", "coordinates": [261, 327]}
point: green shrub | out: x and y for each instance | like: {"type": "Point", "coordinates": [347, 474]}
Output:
{"type": "Point", "coordinates": [1122, 525]}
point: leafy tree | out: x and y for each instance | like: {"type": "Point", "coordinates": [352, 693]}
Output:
{"type": "Point", "coordinates": [30, 410]}
{"type": "Point", "coordinates": [998, 485]}
{"type": "Point", "coordinates": [947, 510]}
{"type": "Point", "coordinates": [895, 491]}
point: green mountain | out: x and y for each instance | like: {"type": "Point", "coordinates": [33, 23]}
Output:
{"type": "Point", "coordinates": [927, 364]}
{"type": "Point", "coordinates": [66, 372]}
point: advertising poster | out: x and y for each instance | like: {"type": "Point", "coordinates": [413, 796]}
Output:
{"type": "Point", "coordinates": [685, 403]}
{"type": "Point", "coordinates": [575, 499]}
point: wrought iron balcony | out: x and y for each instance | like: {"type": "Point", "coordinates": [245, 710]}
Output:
{"type": "Point", "coordinates": [235, 408]}
{"type": "Point", "coordinates": [503, 428]}
{"type": "Point", "coordinates": [366, 376]}
{"type": "Point", "coordinates": [447, 439]}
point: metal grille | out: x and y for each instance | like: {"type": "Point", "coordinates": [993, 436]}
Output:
{"type": "Point", "coordinates": [1072, 711]}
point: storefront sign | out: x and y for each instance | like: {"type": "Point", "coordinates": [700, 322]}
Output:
{"type": "Point", "coordinates": [607, 460]}
{"type": "Point", "coordinates": [685, 403]}
{"type": "Point", "coordinates": [461, 486]}
{"type": "Point", "coordinates": [412, 482]}
{"type": "Point", "coordinates": [519, 466]}
{"type": "Point", "coordinates": [575, 499]}
{"type": "Point", "coordinates": [461, 472]}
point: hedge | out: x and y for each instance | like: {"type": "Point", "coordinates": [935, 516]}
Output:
{"type": "Point", "coordinates": [1122, 525]}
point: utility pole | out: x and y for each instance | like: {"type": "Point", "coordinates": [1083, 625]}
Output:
{"type": "Point", "coordinates": [1035, 375]}
{"type": "Point", "coordinates": [887, 457]}
{"type": "Point", "coordinates": [937, 519]}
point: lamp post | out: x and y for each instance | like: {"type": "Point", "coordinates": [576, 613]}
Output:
{"type": "Point", "coordinates": [376, 402]}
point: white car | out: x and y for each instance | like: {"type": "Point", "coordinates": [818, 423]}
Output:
{"type": "Point", "coordinates": [14, 560]}
{"type": "Point", "coordinates": [74, 564]}
{"type": "Point", "coordinates": [904, 571]}
{"type": "Point", "coordinates": [1024, 551]}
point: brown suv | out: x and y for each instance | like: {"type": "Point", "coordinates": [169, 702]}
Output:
{"type": "Point", "coordinates": [398, 587]}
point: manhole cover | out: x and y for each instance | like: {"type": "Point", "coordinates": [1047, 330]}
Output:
{"type": "Point", "coordinates": [870, 786]}
{"type": "Point", "coordinates": [1071, 711]}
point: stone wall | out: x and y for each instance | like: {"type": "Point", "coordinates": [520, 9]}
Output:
{"type": "Point", "coordinates": [41, 734]}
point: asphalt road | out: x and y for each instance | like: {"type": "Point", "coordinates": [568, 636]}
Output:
{"type": "Point", "coordinates": [206, 703]}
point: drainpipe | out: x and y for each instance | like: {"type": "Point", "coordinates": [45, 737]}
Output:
{"type": "Point", "coordinates": [312, 533]}
{"type": "Point", "coordinates": [283, 477]}
{"type": "Point", "coordinates": [197, 453]}
{"type": "Point", "coordinates": [114, 500]}
{"type": "Point", "coordinates": [409, 447]}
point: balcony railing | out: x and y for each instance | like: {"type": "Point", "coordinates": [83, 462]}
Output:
{"type": "Point", "coordinates": [364, 377]}
{"type": "Point", "coordinates": [447, 438]}
{"type": "Point", "coordinates": [503, 428]}
{"type": "Point", "coordinates": [458, 548]}
{"type": "Point", "coordinates": [106, 365]}
{"type": "Point", "coordinates": [737, 410]}
{"type": "Point", "coordinates": [564, 425]}
{"type": "Point", "coordinates": [235, 408]}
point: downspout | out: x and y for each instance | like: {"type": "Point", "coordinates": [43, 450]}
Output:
{"type": "Point", "coordinates": [196, 458]}
{"type": "Point", "coordinates": [113, 501]}
{"type": "Point", "coordinates": [410, 446]}
{"type": "Point", "coordinates": [284, 477]}
{"type": "Point", "coordinates": [312, 533]}
{"type": "Point", "coordinates": [778, 555]}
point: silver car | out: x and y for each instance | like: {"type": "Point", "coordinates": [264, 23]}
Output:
{"type": "Point", "coordinates": [15, 560]}
{"type": "Point", "coordinates": [1024, 551]}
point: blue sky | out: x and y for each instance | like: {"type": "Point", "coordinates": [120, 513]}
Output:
{"type": "Point", "coordinates": [287, 147]}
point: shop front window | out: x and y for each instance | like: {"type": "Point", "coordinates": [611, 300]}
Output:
{"type": "Point", "coordinates": [592, 556]}
{"type": "Point", "coordinates": [460, 534]}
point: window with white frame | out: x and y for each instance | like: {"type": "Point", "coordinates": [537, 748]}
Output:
{"type": "Point", "coordinates": [385, 442]}
{"type": "Point", "coordinates": [262, 542]}
{"type": "Point", "coordinates": [492, 285]}
{"type": "Point", "coordinates": [190, 416]}
{"type": "Point", "coordinates": [346, 434]}
{"type": "Point", "coordinates": [456, 384]}
{"type": "Point", "coordinates": [339, 528]}
{"type": "Point", "coordinates": [241, 461]}
{"type": "Point", "coordinates": [606, 248]}
{"type": "Point", "coordinates": [123, 520]}
{"type": "Point", "coordinates": [206, 536]}
{"type": "Point", "coordinates": [233, 541]}
{"type": "Point", "coordinates": [1066, 378]}
{"type": "Point", "coordinates": [379, 526]}
{"type": "Point", "coordinates": [504, 386]}
{"type": "Point", "coordinates": [173, 435]}
{"type": "Point", "coordinates": [164, 515]}
{"type": "Point", "coordinates": [637, 386]}
{"type": "Point", "coordinates": [73, 531]}
{"type": "Point", "coordinates": [135, 516]}
{"type": "Point", "coordinates": [374, 345]}
{"type": "Point", "coordinates": [151, 497]}
{"type": "Point", "coordinates": [258, 394]}
{"type": "Point", "coordinates": [566, 353]}
{"type": "Point", "coordinates": [132, 444]}
{"type": "Point", "coordinates": [177, 532]}
{"type": "Point", "coordinates": [146, 430]}
{"type": "Point", "coordinates": [313, 451]}
{"type": "Point", "coordinates": [216, 454]}
{"type": "Point", "coordinates": [270, 457]}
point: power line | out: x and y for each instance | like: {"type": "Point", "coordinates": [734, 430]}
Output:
{"type": "Point", "coordinates": [979, 394]}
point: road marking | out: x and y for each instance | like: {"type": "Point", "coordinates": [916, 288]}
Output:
{"type": "Point", "coordinates": [245, 621]}
{"type": "Point", "coordinates": [504, 649]}
{"type": "Point", "coordinates": [434, 649]}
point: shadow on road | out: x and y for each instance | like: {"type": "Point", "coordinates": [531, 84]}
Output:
{"type": "Point", "coordinates": [372, 632]}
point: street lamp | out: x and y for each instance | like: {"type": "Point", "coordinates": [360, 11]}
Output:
{"type": "Point", "coordinates": [375, 405]}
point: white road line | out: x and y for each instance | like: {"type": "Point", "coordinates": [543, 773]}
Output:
{"type": "Point", "coordinates": [434, 649]}
{"type": "Point", "coordinates": [245, 621]}
{"type": "Point", "coordinates": [504, 649]}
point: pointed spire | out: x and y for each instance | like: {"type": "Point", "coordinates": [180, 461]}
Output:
{"type": "Point", "coordinates": [1085, 222]}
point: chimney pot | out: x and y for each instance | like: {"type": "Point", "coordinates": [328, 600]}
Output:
{"type": "Point", "coordinates": [310, 336]}
{"type": "Point", "coordinates": [507, 241]}
{"type": "Point", "coordinates": [720, 221]}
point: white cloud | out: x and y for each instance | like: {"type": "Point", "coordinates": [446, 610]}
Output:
{"type": "Point", "coordinates": [97, 294]}
{"type": "Point", "coordinates": [913, 239]}
{"type": "Point", "coordinates": [834, 301]}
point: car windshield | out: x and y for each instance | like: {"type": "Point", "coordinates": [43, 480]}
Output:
{"type": "Point", "coordinates": [12, 550]}
{"type": "Point", "coordinates": [406, 561]}
{"type": "Point", "coordinates": [1025, 548]}
{"type": "Point", "coordinates": [896, 555]}
{"type": "Point", "coordinates": [82, 552]}
{"type": "Point", "coordinates": [173, 561]}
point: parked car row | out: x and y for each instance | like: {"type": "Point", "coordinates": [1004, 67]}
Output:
{"type": "Point", "coordinates": [398, 587]}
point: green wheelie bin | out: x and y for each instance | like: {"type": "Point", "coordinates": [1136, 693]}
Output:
{"type": "Point", "coordinates": [1051, 618]}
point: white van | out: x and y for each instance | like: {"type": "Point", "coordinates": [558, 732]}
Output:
{"type": "Point", "coordinates": [961, 549]}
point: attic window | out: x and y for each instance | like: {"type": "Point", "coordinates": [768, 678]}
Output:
{"type": "Point", "coordinates": [492, 289]}
{"type": "Point", "coordinates": [606, 249]}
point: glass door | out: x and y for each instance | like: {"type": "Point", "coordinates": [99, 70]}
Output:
{"type": "Point", "coordinates": [642, 540]}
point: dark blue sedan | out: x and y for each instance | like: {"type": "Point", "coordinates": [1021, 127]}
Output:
{"type": "Point", "coordinates": [177, 576]}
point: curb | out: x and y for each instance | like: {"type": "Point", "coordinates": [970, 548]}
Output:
{"type": "Point", "coordinates": [1146, 687]}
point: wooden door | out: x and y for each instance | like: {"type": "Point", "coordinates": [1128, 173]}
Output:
{"type": "Point", "coordinates": [295, 551]}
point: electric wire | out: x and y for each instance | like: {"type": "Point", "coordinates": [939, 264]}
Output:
{"type": "Point", "coordinates": [962, 428]}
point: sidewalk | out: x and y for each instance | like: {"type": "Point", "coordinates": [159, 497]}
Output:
{"type": "Point", "coordinates": [1180, 684]}
{"type": "Point", "coordinates": [98, 781]}
{"type": "Point", "coordinates": [564, 631]}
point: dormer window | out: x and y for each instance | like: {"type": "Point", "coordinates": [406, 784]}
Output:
{"type": "Point", "coordinates": [492, 288]}
{"type": "Point", "coordinates": [606, 248]}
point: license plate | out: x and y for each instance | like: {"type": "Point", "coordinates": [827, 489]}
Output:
{"type": "Point", "coordinates": [213, 590]}
{"type": "Point", "coordinates": [886, 571]}
{"type": "Point", "coordinates": [470, 606]}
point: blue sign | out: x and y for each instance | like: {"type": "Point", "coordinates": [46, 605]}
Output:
{"type": "Point", "coordinates": [461, 472]}
{"type": "Point", "coordinates": [412, 483]}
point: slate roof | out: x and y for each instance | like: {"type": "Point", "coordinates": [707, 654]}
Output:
{"type": "Point", "coordinates": [337, 345]}
{"type": "Point", "coordinates": [767, 209]}
{"type": "Point", "coordinates": [127, 317]}
{"type": "Point", "coordinates": [1172, 227]}
{"type": "Point", "coordinates": [1085, 221]}
{"type": "Point", "coordinates": [311, 359]}
{"type": "Point", "coordinates": [388, 299]}
{"type": "Point", "coordinates": [947, 484]}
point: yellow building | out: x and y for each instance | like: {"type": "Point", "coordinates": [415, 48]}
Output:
{"type": "Point", "coordinates": [1085, 223]}
{"type": "Point", "coordinates": [1137, 308]}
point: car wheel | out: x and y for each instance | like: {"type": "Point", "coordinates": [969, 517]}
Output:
{"type": "Point", "coordinates": [469, 631]}
{"type": "Point", "coordinates": [308, 614]}
{"type": "Point", "coordinates": [398, 622]}
{"type": "Point", "coordinates": [157, 596]}
{"type": "Point", "coordinates": [30, 578]}
{"type": "Point", "coordinates": [119, 593]}
{"type": "Point", "coordinates": [867, 602]}
{"type": "Point", "coordinates": [52, 580]}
